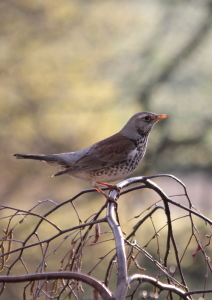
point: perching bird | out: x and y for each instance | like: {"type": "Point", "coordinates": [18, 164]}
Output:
{"type": "Point", "coordinates": [109, 160]}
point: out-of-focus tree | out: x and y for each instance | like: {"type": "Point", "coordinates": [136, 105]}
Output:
{"type": "Point", "coordinates": [73, 72]}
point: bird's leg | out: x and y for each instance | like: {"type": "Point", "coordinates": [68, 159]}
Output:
{"type": "Point", "coordinates": [94, 184]}
{"type": "Point", "coordinates": [110, 186]}
{"type": "Point", "coordinates": [109, 199]}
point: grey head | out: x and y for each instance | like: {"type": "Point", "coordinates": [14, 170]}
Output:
{"type": "Point", "coordinates": [140, 124]}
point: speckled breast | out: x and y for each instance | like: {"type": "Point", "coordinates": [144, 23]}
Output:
{"type": "Point", "coordinates": [121, 170]}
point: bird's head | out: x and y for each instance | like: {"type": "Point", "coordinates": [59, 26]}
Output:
{"type": "Point", "coordinates": [141, 124]}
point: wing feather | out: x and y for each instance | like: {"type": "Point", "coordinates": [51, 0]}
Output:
{"type": "Point", "coordinates": [103, 154]}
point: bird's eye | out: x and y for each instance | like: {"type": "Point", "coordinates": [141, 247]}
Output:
{"type": "Point", "coordinates": [147, 118]}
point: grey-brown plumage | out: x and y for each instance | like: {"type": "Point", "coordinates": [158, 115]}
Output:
{"type": "Point", "coordinates": [109, 160]}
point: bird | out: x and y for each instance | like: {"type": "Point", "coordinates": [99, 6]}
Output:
{"type": "Point", "coordinates": [108, 160]}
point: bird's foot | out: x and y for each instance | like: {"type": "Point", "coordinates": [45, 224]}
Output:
{"type": "Point", "coordinates": [109, 199]}
{"type": "Point", "coordinates": [110, 186]}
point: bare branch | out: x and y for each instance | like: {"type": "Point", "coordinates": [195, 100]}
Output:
{"type": "Point", "coordinates": [158, 284]}
{"type": "Point", "coordinates": [67, 281]}
{"type": "Point", "coordinates": [122, 284]}
{"type": "Point", "coordinates": [103, 291]}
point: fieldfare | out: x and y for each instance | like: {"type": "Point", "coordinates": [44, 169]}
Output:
{"type": "Point", "coordinates": [109, 160]}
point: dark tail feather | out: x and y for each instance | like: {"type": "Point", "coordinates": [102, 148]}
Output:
{"type": "Point", "coordinates": [33, 156]}
{"type": "Point", "coordinates": [54, 160]}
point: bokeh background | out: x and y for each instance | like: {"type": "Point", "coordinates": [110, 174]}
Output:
{"type": "Point", "coordinates": [73, 72]}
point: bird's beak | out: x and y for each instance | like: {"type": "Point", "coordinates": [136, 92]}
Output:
{"type": "Point", "coordinates": [160, 117]}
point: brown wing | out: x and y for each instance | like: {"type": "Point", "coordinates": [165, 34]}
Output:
{"type": "Point", "coordinates": [103, 154]}
{"type": "Point", "coordinates": [107, 152]}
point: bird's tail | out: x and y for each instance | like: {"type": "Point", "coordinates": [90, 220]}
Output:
{"type": "Point", "coordinates": [54, 160]}
{"type": "Point", "coordinates": [34, 156]}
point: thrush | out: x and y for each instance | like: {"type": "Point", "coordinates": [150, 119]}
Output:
{"type": "Point", "coordinates": [109, 160]}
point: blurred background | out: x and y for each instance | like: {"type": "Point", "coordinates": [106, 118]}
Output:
{"type": "Point", "coordinates": [73, 73]}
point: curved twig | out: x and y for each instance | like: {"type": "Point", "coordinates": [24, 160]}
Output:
{"type": "Point", "coordinates": [54, 236]}
{"type": "Point", "coordinates": [29, 213]}
{"type": "Point", "coordinates": [170, 235]}
{"type": "Point", "coordinates": [159, 284]}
